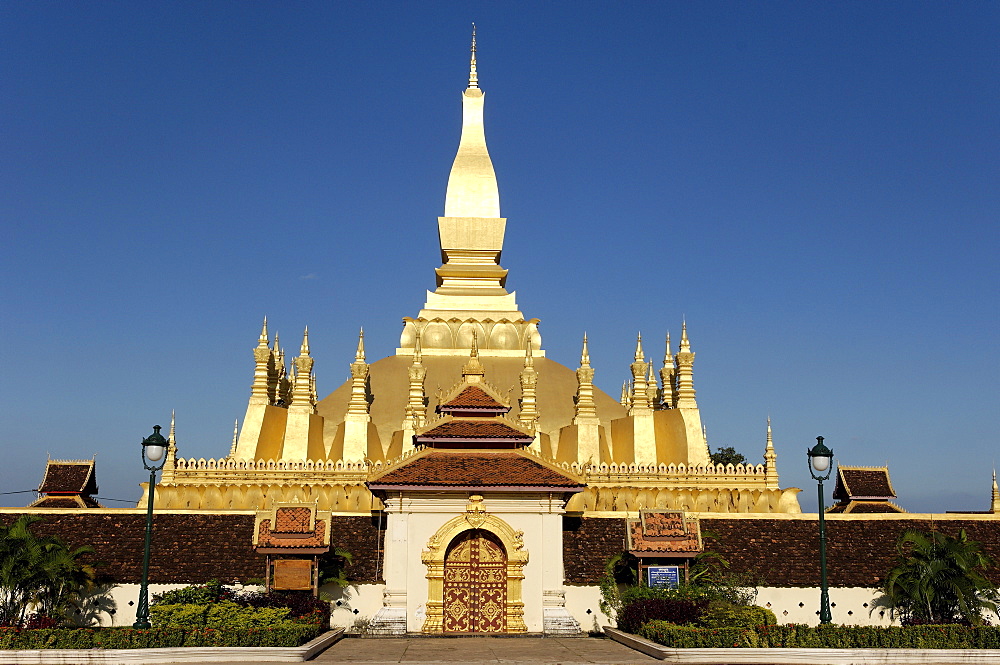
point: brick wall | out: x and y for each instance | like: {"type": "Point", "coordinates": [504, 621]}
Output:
{"type": "Point", "coordinates": [588, 542]}
{"type": "Point", "coordinates": [785, 553]}
{"type": "Point", "coordinates": [195, 547]}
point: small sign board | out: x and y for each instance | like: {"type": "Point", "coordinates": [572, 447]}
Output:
{"type": "Point", "coordinates": [664, 576]}
{"type": "Point", "coordinates": [292, 575]}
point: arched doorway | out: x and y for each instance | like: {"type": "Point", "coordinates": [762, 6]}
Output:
{"type": "Point", "coordinates": [475, 584]}
{"type": "Point", "coordinates": [451, 534]}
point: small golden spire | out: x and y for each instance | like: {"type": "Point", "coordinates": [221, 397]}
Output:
{"type": "Point", "coordinates": [528, 360]}
{"type": "Point", "coordinates": [417, 355]}
{"type": "Point", "coordinates": [639, 355]}
{"type": "Point", "coordinates": [668, 358]}
{"type": "Point", "coordinates": [236, 429]}
{"type": "Point", "coordinates": [474, 367]}
{"type": "Point", "coordinates": [473, 74]}
{"type": "Point", "coordinates": [995, 498]}
{"type": "Point", "coordinates": [304, 349]}
{"type": "Point", "coordinates": [585, 353]}
{"type": "Point", "coordinates": [685, 343]}
{"type": "Point", "coordinates": [262, 340]}
{"type": "Point", "coordinates": [170, 437]}
{"type": "Point", "coordinates": [360, 354]}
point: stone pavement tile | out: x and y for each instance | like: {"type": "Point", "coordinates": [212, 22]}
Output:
{"type": "Point", "coordinates": [483, 650]}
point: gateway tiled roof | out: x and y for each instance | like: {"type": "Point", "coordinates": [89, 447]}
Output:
{"type": "Point", "coordinates": [474, 429]}
{"type": "Point", "coordinates": [69, 477]}
{"type": "Point", "coordinates": [863, 483]}
{"type": "Point", "coordinates": [74, 501]}
{"type": "Point", "coordinates": [866, 507]}
{"type": "Point", "coordinates": [474, 397]}
{"type": "Point", "coordinates": [441, 468]}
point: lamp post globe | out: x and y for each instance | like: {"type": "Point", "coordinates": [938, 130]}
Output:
{"type": "Point", "coordinates": [153, 448]}
{"type": "Point", "coordinates": [820, 458]}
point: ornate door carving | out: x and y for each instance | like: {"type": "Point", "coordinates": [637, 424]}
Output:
{"type": "Point", "coordinates": [475, 584]}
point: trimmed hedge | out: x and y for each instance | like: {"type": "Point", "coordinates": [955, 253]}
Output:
{"type": "Point", "coordinates": [134, 638]}
{"type": "Point", "coordinates": [224, 614]}
{"type": "Point", "coordinates": [725, 615]}
{"type": "Point", "coordinates": [825, 637]}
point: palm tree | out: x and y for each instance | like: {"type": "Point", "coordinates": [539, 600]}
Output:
{"type": "Point", "coordinates": [938, 578]}
{"type": "Point", "coordinates": [332, 567]}
{"type": "Point", "coordinates": [39, 572]}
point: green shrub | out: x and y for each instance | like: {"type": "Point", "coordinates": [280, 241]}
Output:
{"type": "Point", "coordinates": [196, 594]}
{"type": "Point", "coordinates": [186, 615]}
{"type": "Point", "coordinates": [225, 614]}
{"type": "Point", "coordinates": [825, 637]}
{"type": "Point", "coordinates": [726, 615]}
{"type": "Point", "coordinates": [231, 615]}
{"type": "Point", "coordinates": [131, 638]}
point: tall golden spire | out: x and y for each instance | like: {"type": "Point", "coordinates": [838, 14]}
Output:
{"type": "Point", "coordinates": [667, 376]}
{"type": "Point", "coordinates": [652, 392]}
{"type": "Point", "coordinates": [995, 498]}
{"type": "Point", "coordinates": [770, 460]}
{"type": "Point", "coordinates": [685, 372]}
{"type": "Point", "coordinates": [358, 405]}
{"type": "Point", "coordinates": [473, 74]}
{"type": "Point", "coordinates": [585, 406]}
{"type": "Point", "coordinates": [528, 415]}
{"type": "Point", "coordinates": [640, 399]}
{"type": "Point", "coordinates": [301, 393]}
{"type": "Point", "coordinates": [261, 390]}
{"type": "Point", "coordinates": [171, 461]}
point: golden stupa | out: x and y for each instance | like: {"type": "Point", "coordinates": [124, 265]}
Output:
{"type": "Point", "coordinates": [644, 450]}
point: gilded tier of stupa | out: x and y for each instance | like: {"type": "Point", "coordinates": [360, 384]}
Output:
{"type": "Point", "coordinates": [644, 450]}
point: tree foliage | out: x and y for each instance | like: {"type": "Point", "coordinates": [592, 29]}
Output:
{"type": "Point", "coordinates": [727, 455]}
{"type": "Point", "coordinates": [40, 573]}
{"type": "Point", "coordinates": [938, 579]}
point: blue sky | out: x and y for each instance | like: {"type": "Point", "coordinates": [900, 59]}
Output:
{"type": "Point", "coordinates": [812, 185]}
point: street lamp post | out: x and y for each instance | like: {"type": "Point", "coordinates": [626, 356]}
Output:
{"type": "Point", "coordinates": [153, 448]}
{"type": "Point", "coordinates": [819, 462]}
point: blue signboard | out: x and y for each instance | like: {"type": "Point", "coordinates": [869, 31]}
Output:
{"type": "Point", "coordinates": [664, 576]}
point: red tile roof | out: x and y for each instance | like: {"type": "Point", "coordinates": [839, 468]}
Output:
{"type": "Point", "coordinates": [474, 429]}
{"type": "Point", "coordinates": [292, 520]}
{"type": "Point", "coordinates": [267, 538]}
{"type": "Point", "coordinates": [445, 468]}
{"type": "Point", "coordinates": [474, 397]}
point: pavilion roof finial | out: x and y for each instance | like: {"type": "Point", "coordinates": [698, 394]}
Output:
{"type": "Point", "coordinates": [473, 74]}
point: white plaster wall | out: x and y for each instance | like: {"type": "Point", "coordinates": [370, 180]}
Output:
{"type": "Point", "coordinates": [848, 605]}
{"type": "Point", "coordinates": [583, 602]}
{"type": "Point", "coordinates": [351, 603]}
{"type": "Point", "coordinates": [125, 597]}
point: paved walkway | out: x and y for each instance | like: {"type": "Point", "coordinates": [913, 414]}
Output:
{"type": "Point", "coordinates": [483, 650]}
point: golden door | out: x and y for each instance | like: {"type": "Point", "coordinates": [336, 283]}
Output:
{"type": "Point", "coordinates": [475, 584]}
